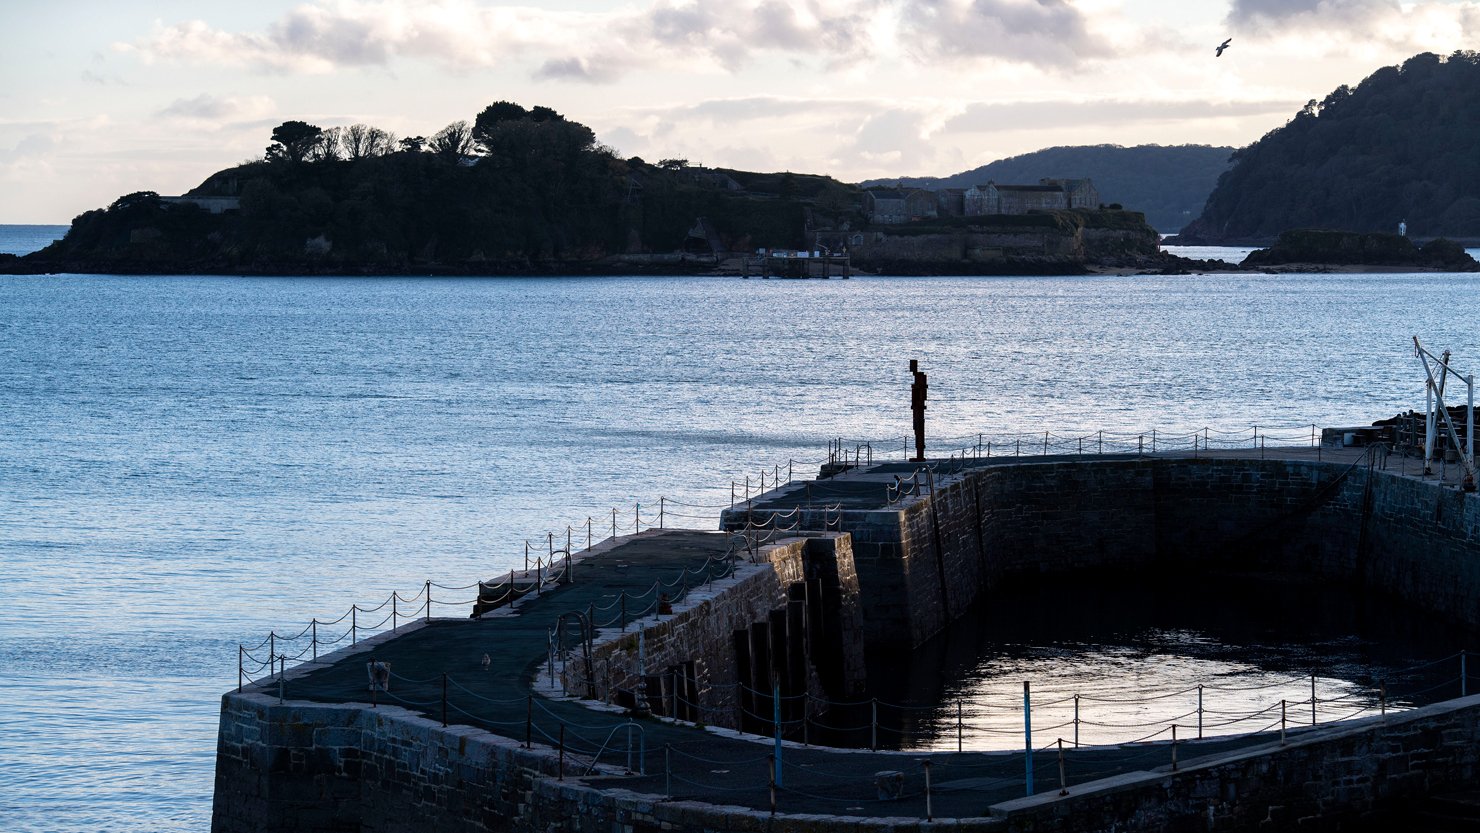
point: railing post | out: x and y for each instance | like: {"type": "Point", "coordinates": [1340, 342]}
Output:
{"type": "Point", "coordinates": [271, 650]}
{"type": "Point", "coordinates": [662, 508]}
{"type": "Point", "coordinates": [636, 518]}
{"type": "Point", "coordinates": [240, 671]}
{"type": "Point", "coordinates": [1199, 711]}
{"type": "Point", "coordinates": [394, 597]}
{"type": "Point", "coordinates": [929, 810]}
{"type": "Point", "coordinates": [1028, 737]}
{"type": "Point", "coordinates": [353, 628]}
{"type": "Point", "coordinates": [773, 783]}
{"type": "Point", "coordinates": [1076, 721]}
{"type": "Point", "coordinates": [1312, 699]}
{"type": "Point", "coordinates": [614, 521]}
{"type": "Point", "coordinates": [1282, 723]}
{"type": "Point", "coordinates": [1063, 782]}
{"type": "Point", "coordinates": [588, 532]}
{"type": "Point", "coordinates": [315, 624]}
{"type": "Point", "coordinates": [776, 727]}
{"type": "Point", "coordinates": [429, 600]}
{"type": "Point", "coordinates": [1382, 697]}
{"type": "Point", "coordinates": [1174, 747]}
{"type": "Point", "coordinates": [960, 727]}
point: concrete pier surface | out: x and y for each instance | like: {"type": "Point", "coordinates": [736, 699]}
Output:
{"type": "Point", "coordinates": [311, 742]}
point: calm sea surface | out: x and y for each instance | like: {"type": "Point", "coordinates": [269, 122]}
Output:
{"type": "Point", "coordinates": [186, 463]}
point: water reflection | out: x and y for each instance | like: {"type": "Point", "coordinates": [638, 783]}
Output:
{"type": "Point", "coordinates": [1117, 659]}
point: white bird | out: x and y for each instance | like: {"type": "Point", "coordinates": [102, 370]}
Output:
{"type": "Point", "coordinates": [487, 661]}
{"type": "Point", "coordinates": [1222, 46]}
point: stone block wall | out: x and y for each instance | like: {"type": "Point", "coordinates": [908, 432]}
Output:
{"type": "Point", "coordinates": [1364, 773]}
{"type": "Point", "coordinates": [704, 633]}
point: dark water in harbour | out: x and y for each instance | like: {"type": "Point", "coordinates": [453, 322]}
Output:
{"type": "Point", "coordinates": [1135, 646]}
{"type": "Point", "coordinates": [187, 462]}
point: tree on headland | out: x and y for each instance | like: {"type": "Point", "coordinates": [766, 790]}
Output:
{"type": "Point", "coordinates": [361, 141]}
{"type": "Point", "coordinates": [673, 164]}
{"type": "Point", "coordinates": [294, 142]}
{"type": "Point", "coordinates": [412, 144]}
{"type": "Point", "coordinates": [453, 142]}
{"type": "Point", "coordinates": [1402, 145]}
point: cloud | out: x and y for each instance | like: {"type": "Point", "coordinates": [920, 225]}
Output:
{"type": "Point", "coordinates": [1044, 33]}
{"type": "Point", "coordinates": [600, 47]}
{"type": "Point", "coordinates": [30, 146]}
{"type": "Point", "coordinates": [992, 117]}
{"type": "Point", "coordinates": [1434, 25]}
{"type": "Point", "coordinates": [220, 109]}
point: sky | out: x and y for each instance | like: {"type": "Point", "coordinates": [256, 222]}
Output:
{"type": "Point", "coordinates": [100, 98]}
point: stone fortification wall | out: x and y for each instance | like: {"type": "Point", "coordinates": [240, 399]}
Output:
{"type": "Point", "coordinates": [315, 767]}
{"type": "Point", "coordinates": [921, 562]}
{"type": "Point", "coordinates": [696, 652]}
{"type": "Point", "coordinates": [1362, 775]}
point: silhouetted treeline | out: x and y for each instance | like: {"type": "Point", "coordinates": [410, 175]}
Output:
{"type": "Point", "coordinates": [1404, 145]}
{"type": "Point", "coordinates": [512, 187]}
{"type": "Point", "coordinates": [1169, 184]}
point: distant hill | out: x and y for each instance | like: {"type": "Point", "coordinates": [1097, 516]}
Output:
{"type": "Point", "coordinates": [1169, 184]}
{"type": "Point", "coordinates": [1403, 145]}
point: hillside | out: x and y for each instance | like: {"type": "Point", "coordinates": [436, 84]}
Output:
{"type": "Point", "coordinates": [515, 191]}
{"type": "Point", "coordinates": [1169, 184]}
{"type": "Point", "coordinates": [1404, 145]}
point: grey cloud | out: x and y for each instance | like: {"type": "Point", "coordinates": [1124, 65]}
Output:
{"type": "Point", "coordinates": [339, 38]}
{"type": "Point", "coordinates": [203, 106]}
{"type": "Point", "coordinates": [576, 69]}
{"type": "Point", "coordinates": [34, 144]}
{"type": "Point", "coordinates": [733, 110]}
{"type": "Point", "coordinates": [1045, 33]}
{"type": "Point", "coordinates": [987, 118]}
{"type": "Point", "coordinates": [1261, 13]}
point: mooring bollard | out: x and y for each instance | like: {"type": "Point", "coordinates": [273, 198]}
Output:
{"type": "Point", "coordinates": [1028, 737]}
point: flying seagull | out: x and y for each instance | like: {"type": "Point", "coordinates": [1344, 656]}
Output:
{"type": "Point", "coordinates": [1221, 47]}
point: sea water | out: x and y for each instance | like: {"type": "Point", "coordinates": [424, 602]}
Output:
{"type": "Point", "coordinates": [188, 462]}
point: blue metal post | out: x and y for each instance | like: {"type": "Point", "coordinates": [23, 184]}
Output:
{"type": "Point", "coordinates": [1028, 735]}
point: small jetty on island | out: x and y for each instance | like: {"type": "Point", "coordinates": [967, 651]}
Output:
{"type": "Point", "coordinates": [788, 263]}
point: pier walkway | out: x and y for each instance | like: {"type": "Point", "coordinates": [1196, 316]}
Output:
{"type": "Point", "coordinates": [438, 672]}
